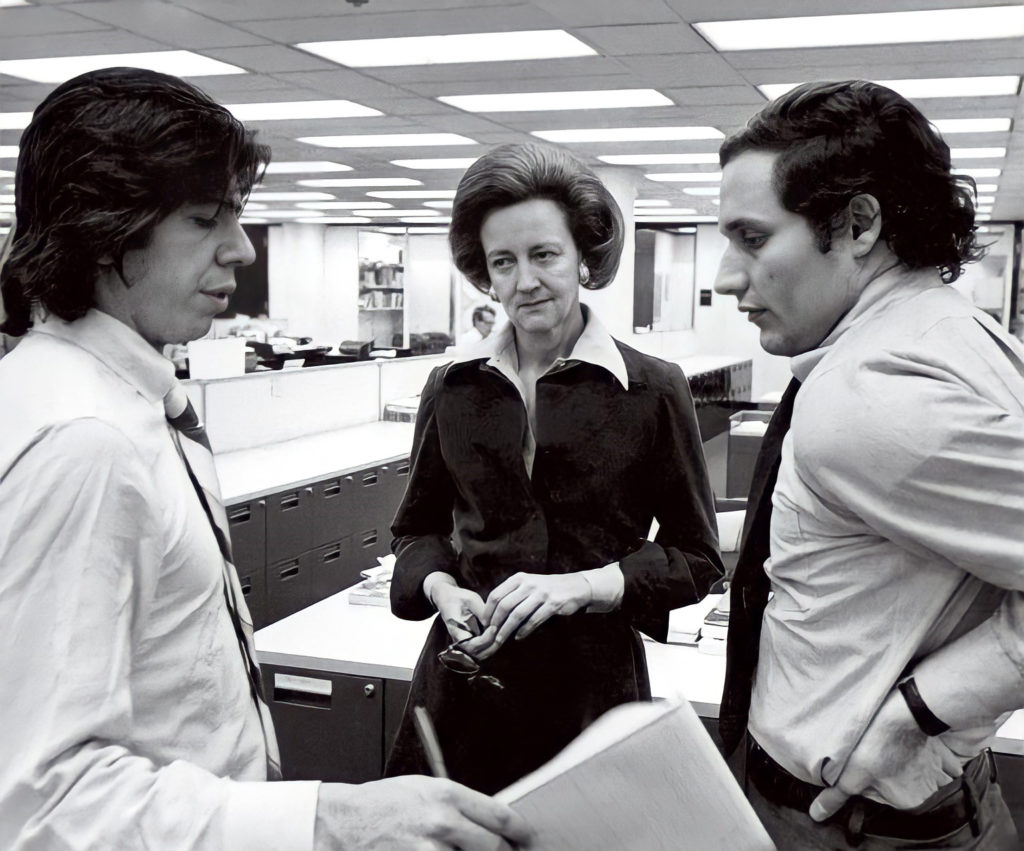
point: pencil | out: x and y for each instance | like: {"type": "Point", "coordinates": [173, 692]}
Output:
{"type": "Point", "coordinates": [428, 738]}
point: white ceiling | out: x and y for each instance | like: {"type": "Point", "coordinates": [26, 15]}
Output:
{"type": "Point", "coordinates": [639, 44]}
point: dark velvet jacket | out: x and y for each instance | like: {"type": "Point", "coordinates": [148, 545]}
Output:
{"type": "Point", "coordinates": [607, 462]}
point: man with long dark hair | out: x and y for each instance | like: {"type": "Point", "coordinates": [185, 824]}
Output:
{"type": "Point", "coordinates": [134, 716]}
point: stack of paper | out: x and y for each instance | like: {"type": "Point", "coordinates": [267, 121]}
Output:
{"type": "Point", "coordinates": [643, 777]}
{"type": "Point", "coordinates": [684, 625]}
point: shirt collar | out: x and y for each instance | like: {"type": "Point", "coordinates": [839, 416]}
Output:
{"type": "Point", "coordinates": [884, 292]}
{"type": "Point", "coordinates": [120, 348]}
{"type": "Point", "coordinates": [594, 346]}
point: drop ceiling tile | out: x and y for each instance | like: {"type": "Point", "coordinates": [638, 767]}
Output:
{"type": "Point", "coordinates": [643, 38]}
{"type": "Point", "coordinates": [167, 23]}
{"type": "Point", "coordinates": [76, 44]}
{"type": "Point", "coordinates": [947, 56]}
{"type": "Point", "coordinates": [682, 70]}
{"type": "Point", "coordinates": [699, 95]}
{"type": "Point", "coordinates": [21, 21]}
{"type": "Point", "coordinates": [581, 13]}
{"type": "Point", "coordinates": [590, 82]}
{"type": "Point", "coordinates": [262, 10]}
{"type": "Point", "coordinates": [482, 74]}
{"type": "Point", "coordinates": [270, 58]}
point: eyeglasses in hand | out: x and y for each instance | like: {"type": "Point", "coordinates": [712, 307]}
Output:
{"type": "Point", "coordinates": [458, 661]}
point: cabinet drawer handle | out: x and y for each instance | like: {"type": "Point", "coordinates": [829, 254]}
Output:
{"type": "Point", "coordinates": [240, 514]}
{"type": "Point", "coordinates": [290, 501]}
{"type": "Point", "coordinates": [332, 489]}
{"type": "Point", "coordinates": [332, 555]}
{"type": "Point", "coordinates": [246, 584]}
{"type": "Point", "coordinates": [369, 479]}
{"type": "Point", "coordinates": [369, 538]}
{"type": "Point", "coordinates": [402, 469]}
{"type": "Point", "coordinates": [290, 571]}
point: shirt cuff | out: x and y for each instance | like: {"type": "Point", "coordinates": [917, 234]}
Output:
{"type": "Point", "coordinates": [262, 816]}
{"type": "Point", "coordinates": [606, 588]}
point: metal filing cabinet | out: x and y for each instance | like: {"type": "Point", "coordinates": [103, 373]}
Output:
{"type": "Point", "coordinates": [248, 530]}
{"type": "Point", "coordinates": [289, 523]}
{"type": "Point", "coordinates": [289, 585]}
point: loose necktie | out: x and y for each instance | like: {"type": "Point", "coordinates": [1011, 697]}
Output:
{"type": "Point", "coordinates": [748, 592]}
{"type": "Point", "coordinates": [194, 446]}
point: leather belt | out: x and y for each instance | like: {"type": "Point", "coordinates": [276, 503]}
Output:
{"type": "Point", "coordinates": [862, 816]}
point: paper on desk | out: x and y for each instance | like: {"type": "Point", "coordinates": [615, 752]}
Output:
{"type": "Point", "coordinates": [730, 530]}
{"type": "Point", "coordinates": [684, 624]}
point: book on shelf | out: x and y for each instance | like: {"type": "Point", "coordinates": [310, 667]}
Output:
{"type": "Point", "coordinates": [643, 777]}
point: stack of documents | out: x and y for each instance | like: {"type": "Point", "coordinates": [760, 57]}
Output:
{"type": "Point", "coordinates": [684, 625]}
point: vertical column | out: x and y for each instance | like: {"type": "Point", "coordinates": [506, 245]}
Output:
{"type": "Point", "coordinates": [614, 304]}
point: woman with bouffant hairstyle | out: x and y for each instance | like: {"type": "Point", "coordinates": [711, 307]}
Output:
{"type": "Point", "coordinates": [541, 457]}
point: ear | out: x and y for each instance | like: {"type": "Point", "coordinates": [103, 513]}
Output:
{"type": "Point", "coordinates": [865, 223]}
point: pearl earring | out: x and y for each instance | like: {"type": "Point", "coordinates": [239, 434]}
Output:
{"type": "Point", "coordinates": [584, 273]}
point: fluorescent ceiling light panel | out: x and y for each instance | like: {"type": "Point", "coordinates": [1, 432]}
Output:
{"type": "Point", "coordinates": [440, 205]}
{"type": "Point", "coordinates": [658, 159]}
{"type": "Point", "coordinates": [926, 25]}
{"type": "Point", "coordinates": [977, 153]}
{"type": "Point", "coordinates": [446, 49]}
{"type": "Point", "coordinates": [182, 63]}
{"type": "Point", "coordinates": [14, 120]}
{"type": "Point", "coordinates": [286, 214]}
{"type": "Point", "coordinates": [983, 217]}
{"type": "Point", "coordinates": [9, 152]}
{"type": "Point", "coordinates": [650, 202]}
{"type": "Point", "coordinates": [411, 219]}
{"type": "Point", "coordinates": [6, 199]}
{"type": "Point", "coordinates": [542, 101]}
{"type": "Point", "coordinates": [344, 182]}
{"type": "Point", "coordinates": [416, 211]}
{"type": "Point", "coordinates": [630, 134]}
{"type": "Point", "coordinates": [5, 173]}
{"type": "Point", "coordinates": [667, 211]}
{"type": "Point", "coordinates": [342, 205]}
{"type": "Point", "coordinates": [13, 3]}
{"type": "Point", "coordinates": [934, 87]}
{"type": "Point", "coordinates": [291, 196]}
{"type": "Point", "coordinates": [426, 230]}
{"type": "Point", "coordinates": [978, 172]}
{"type": "Point", "coordinates": [443, 163]}
{"type": "Point", "coordinates": [311, 167]}
{"type": "Point", "coordinates": [701, 190]}
{"type": "Point", "coordinates": [972, 125]}
{"type": "Point", "coordinates": [300, 109]}
{"type": "Point", "coordinates": [388, 140]}
{"type": "Point", "coordinates": [685, 176]}
{"type": "Point", "coordinates": [253, 220]}
{"type": "Point", "coordinates": [982, 200]}
{"type": "Point", "coordinates": [986, 187]}
{"type": "Point", "coordinates": [413, 193]}
{"type": "Point", "coordinates": [335, 220]}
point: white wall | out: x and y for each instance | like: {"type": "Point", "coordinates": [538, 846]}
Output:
{"type": "Point", "coordinates": [428, 284]}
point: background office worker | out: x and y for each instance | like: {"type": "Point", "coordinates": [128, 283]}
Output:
{"type": "Point", "coordinates": [133, 720]}
{"type": "Point", "coordinates": [555, 446]}
{"type": "Point", "coordinates": [484, 318]}
{"type": "Point", "coordinates": [893, 646]}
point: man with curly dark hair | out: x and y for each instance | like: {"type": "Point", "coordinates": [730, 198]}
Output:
{"type": "Point", "coordinates": [891, 650]}
{"type": "Point", "coordinates": [134, 717]}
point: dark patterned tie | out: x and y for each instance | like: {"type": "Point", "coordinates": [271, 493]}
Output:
{"type": "Point", "coordinates": [198, 459]}
{"type": "Point", "coordinates": [748, 593]}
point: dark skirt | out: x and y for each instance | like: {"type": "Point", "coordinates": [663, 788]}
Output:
{"type": "Point", "coordinates": [554, 683]}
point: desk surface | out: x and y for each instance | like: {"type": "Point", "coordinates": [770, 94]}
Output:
{"type": "Point", "coordinates": [247, 473]}
{"type": "Point", "coordinates": [337, 637]}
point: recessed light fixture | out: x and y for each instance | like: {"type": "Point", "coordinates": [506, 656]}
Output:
{"type": "Point", "coordinates": [335, 220]}
{"type": "Point", "coordinates": [413, 193]}
{"type": "Point", "coordinates": [311, 167]}
{"type": "Point", "coordinates": [342, 182]}
{"type": "Point", "coordinates": [986, 187]}
{"type": "Point", "coordinates": [57, 69]}
{"type": "Point", "coordinates": [14, 120]}
{"type": "Point", "coordinates": [630, 134]}
{"type": "Point", "coordinates": [443, 163]}
{"type": "Point", "coordinates": [444, 49]}
{"type": "Point", "coordinates": [6, 199]}
{"type": "Point", "coordinates": [388, 140]}
{"type": "Point", "coordinates": [6, 208]}
{"type": "Point", "coordinates": [935, 87]}
{"type": "Point", "coordinates": [982, 200]}
{"type": "Point", "coordinates": [543, 101]}
{"type": "Point", "coordinates": [9, 152]}
{"type": "Point", "coordinates": [658, 159]}
{"type": "Point", "coordinates": [285, 214]}
{"type": "Point", "coordinates": [342, 205]}
{"type": "Point", "coordinates": [666, 211]}
{"type": "Point", "coordinates": [415, 211]}
{"type": "Point", "coordinates": [439, 205]}
{"type": "Point", "coordinates": [972, 125]}
{"type": "Point", "coordinates": [5, 173]}
{"type": "Point", "coordinates": [977, 153]}
{"type": "Point", "coordinates": [978, 172]}
{"type": "Point", "coordinates": [701, 190]}
{"type": "Point", "coordinates": [253, 220]}
{"type": "Point", "coordinates": [300, 109]}
{"type": "Point", "coordinates": [983, 217]}
{"type": "Point", "coordinates": [685, 176]}
{"type": "Point", "coordinates": [650, 202]}
{"type": "Point", "coordinates": [13, 3]}
{"type": "Point", "coordinates": [291, 196]}
{"type": "Point", "coordinates": [867, 28]}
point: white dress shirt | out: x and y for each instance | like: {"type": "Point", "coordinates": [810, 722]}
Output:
{"type": "Point", "coordinates": [899, 505]}
{"type": "Point", "coordinates": [127, 717]}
